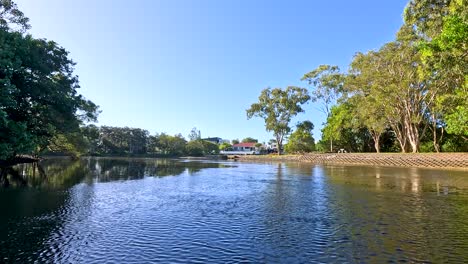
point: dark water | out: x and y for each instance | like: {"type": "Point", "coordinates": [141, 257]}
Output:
{"type": "Point", "coordinates": [147, 211]}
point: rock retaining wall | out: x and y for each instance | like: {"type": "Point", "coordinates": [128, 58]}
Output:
{"type": "Point", "coordinates": [425, 160]}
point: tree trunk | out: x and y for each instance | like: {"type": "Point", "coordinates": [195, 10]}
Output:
{"type": "Point", "coordinates": [376, 137]}
{"type": "Point", "coordinates": [434, 134]}
{"type": "Point", "coordinates": [436, 145]}
{"type": "Point", "coordinates": [18, 160]}
{"type": "Point", "coordinates": [400, 137]}
{"type": "Point", "coordinates": [3, 177]}
{"type": "Point", "coordinates": [279, 142]}
{"type": "Point", "coordinates": [412, 134]}
{"type": "Point", "coordinates": [377, 144]}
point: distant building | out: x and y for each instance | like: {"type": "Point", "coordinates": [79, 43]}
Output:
{"type": "Point", "coordinates": [242, 149]}
{"type": "Point", "coordinates": [225, 141]}
{"type": "Point", "coordinates": [215, 140]}
{"type": "Point", "coordinates": [244, 146]}
{"type": "Point", "coordinates": [272, 145]}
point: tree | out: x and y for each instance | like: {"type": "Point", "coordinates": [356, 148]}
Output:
{"type": "Point", "coordinates": [11, 16]}
{"type": "Point", "coordinates": [168, 145]}
{"type": "Point", "coordinates": [366, 106]}
{"type": "Point", "coordinates": [39, 97]}
{"type": "Point", "coordinates": [224, 146]}
{"type": "Point", "coordinates": [73, 144]}
{"type": "Point", "coordinates": [338, 124]}
{"type": "Point", "coordinates": [201, 147]}
{"type": "Point", "coordinates": [209, 148]}
{"type": "Point", "coordinates": [301, 140]}
{"type": "Point", "coordinates": [327, 85]}
{"type": "Point", "coordinates": [388, 82]}
{"type": "Point", "coordinates": [235, 141]}
{"type": "Point", "coordinates": [346, 130]}
{"type": "Point", "coordinates": [123, 140]}
{"type": "Point", "coordinates": [137, 140]}
{"type": "Point", "coordinates": [426, 16]}
{"type": "Point", "coordinates": [277, 107]}
{"type": "Point", "coordinates": [91, 135]}
{"type": "Point", "coordinates": [194, 148]}
{"type": "Point", "coordinates": [194, 134]}
{"type": "Point", "coordinates": [443, 27]}
{"type": "Point", "coordinates": [249, 140]}
{"type": "Point", "coordinates": [152, 146]}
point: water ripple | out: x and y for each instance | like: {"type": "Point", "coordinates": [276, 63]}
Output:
{"type": "Point", "coordinates": [247, 213]}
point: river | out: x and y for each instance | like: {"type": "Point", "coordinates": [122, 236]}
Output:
{"type": "Point", "coordinates": [102, 210]}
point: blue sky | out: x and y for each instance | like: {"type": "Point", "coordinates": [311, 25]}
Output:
{"type": "Point", "coordinates": [168, 66]}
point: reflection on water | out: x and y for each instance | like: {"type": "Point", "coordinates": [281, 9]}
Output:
{"type": "Point", "coordinates": [123, 210]}
{"type": "Point", "coordinates": [64, 172]}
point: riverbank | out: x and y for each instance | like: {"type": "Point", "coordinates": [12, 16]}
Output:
{"type": "Point", "coordinates": [420, 160]}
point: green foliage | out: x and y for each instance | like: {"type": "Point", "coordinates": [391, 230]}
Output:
{"type": "Point", "coordinates": [11, 16]}
{"type": "Point", "coordinates": [195, 134]}
{"type": "Point", "coordinates": [167, 145]}
{"type": "Point", "coordinates": [277, 107]}
{"type": "Point", "coordinates": [73, 144]}
{"type": "Point", "coordinates": [327, 83]}
{"type": "Point", "coordinates": [210, 148]}
{"type": "Point", "coordinates": [301, 140]}
{"type": "Point", "coordinates": [454, 143]}
{"type": "Point", "coordinates": [38, 99]}
{"type": "Point", "coordinates": [194, 148]}
{"type": "Point", "coordinates": [91, 134]}
{"type": "Point", "coordinates": [123, 140]}
{"type": "Point", "coordinates": [235, 141]}
{"type": "Point", "coordinates": [386, 82]}
{"type": "Point", "coordinates": [340, 118]}
{"type": "Point", "coordinates": [224, 146]}
{"type": "Point", "coordinates": [457, 120]}
{"type": "Point", "coordinates": [249, 140]}
{"type": "Point", "coordinates": [427, 146]}
{"type": "Point", "coordinates": [445, 61]}
{"type": "Point", "coordinates": [14, 138]}
{"type": "Point", "coordinates": [426, 16]}
{"type": "Point", "coordinates": [322, 146]}
{"type": "Point", "coordinates": [200, 148]}
{"type": "Point", "coordinates": [411, 90]}
{"type": "Point", "coordinates": [345, 129]}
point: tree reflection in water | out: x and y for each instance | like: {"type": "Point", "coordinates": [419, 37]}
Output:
{"type": "Point", "coordinates": [64, 173]}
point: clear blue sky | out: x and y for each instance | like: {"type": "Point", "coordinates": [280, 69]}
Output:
{"type": "Point", "coordinates": [168, 66]}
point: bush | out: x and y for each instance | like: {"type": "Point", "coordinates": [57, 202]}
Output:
{"type": "Point", "coordinates": [200, 148]}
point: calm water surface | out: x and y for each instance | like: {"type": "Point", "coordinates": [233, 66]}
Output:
{"type": "Point", "coordinates": [147, 210]}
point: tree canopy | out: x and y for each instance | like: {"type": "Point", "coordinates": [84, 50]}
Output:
{"type": "Point", "coordinates": [39, 98]}
{"type": "Point", "coordinates": [11, 18]}
{"type": "Point", "coordinates": [249, 140]}
{"type": "Point", "coordinates": [194, 134]}
{"type": "Point", "coordinates": [301, 140]}
{"type": "Point", "coordinates": [277, 107]}
{"type": "Point", "coordinates": [413, 88]}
